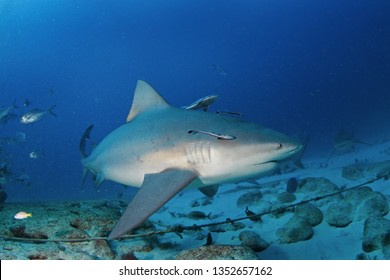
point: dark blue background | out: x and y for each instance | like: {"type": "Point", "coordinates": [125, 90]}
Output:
{"type": "Point", "coordinates": [301, 67]}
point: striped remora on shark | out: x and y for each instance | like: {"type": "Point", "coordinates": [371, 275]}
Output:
{"type": "Point", "coordinates": [158, 151]}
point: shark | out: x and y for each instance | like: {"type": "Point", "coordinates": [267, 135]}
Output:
{"type": "Point", "coordinates": [162, 149]}
{"type": "Point", "coordinates": [345, 142]}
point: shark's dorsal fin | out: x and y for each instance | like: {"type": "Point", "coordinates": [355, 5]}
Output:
{"type": "Point", "coordinates": [145, 98]}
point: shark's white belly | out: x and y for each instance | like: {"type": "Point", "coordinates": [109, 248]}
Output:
{"type": "Point", "coordinates": [129, 168]}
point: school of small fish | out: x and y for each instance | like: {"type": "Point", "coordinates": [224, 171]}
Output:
{"type": "Point", "coordinates": [30, 116]}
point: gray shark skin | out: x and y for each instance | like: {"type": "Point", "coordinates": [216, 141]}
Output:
{"type": "Point", "coordinates": [155, 151]}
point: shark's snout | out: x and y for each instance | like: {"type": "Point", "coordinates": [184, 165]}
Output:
{"type": "Point", "coordinates": [290, 149]}
{"type": "Point", "coordinates": [282, 151]}
{"type": "Point", "coordinates": [294, 149]}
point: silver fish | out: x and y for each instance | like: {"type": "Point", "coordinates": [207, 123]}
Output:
{"type": "Point", "coordinates": [35, 154]}
{"type": "Point", "coordinates": [6, 112]}
{"type": "Point", "coordinates": [203, 103]}
{"type": "Point", "coordinates": [219, 69]}
{"type": "Point", "coordinates": [35, 115]}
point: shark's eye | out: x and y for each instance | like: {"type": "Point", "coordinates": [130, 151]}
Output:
{"type": "Point", "coordinates": [279, 146]}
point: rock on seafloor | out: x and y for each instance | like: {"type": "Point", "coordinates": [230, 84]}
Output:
{"type": "Point", "coordinates": [253, 240]}
{"type": "Point", "coordinates": [360, 170]}
{"type": "Point", "coordinates": [218, 252]}
{"type": "Point", "coordinates": [339, 214]}
{"type": "Point", "coordinates": [357, 205]}
{"type": "Point", "coordinates": [286, 197]}
{"type": "Point", "coordinates": [296, 229]}
{"type": "Point", "coordinates": [367, 203]}
{"type": "Point", "coordinates": [310, 213]}
{"type": "Point", "coordinates": [317, 187]}
{"type": "Point", "coordinates": [353, 172]}
{"type": "Point", "coordinates": [249, 198]}
{"type": "Point", "coordinates": [376, 234]}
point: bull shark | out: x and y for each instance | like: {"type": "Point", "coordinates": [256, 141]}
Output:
{"type": "Point", "coordinates": [158, 151]}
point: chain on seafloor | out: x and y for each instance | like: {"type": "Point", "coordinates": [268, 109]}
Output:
{"type": "Point", "coordinates": [178, 229]}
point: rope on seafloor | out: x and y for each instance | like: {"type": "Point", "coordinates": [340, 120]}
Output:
{"type": "Point", "coordinates": [180, 229]}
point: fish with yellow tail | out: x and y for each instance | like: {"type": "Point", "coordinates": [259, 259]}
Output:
{"type": "Point", "coordinates": [22, 215]}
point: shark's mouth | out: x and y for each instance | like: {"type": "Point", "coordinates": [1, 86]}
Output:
{"type": "Point", "coordinates": [297, 149]}
{"type": "Point", "coordinates": [288, 155]}
{"type": "Point", "coordinates": [285, 157]}
{"type": "Point", "coordinates": [266, 162]}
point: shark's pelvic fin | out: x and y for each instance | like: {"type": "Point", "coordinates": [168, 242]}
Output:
{"type": "Point", "coordinates": [155, 191]}
{"type": "Point", "coordinates": [99, 178]}
{"type": "Point", "coordinates": [145, 98]}
{"type": "Point", "coordinates": [209, 191]}
{"type": "Point", "coordinates": [83, 152]}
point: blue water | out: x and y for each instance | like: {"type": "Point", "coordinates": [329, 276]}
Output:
{"type": "Point", "coordinates": [302, 67]}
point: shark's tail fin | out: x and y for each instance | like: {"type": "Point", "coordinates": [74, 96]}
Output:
{"type": "Point", "coordinates": [82, 147]}
{"type": "Point", "coordinates": [50, 110]}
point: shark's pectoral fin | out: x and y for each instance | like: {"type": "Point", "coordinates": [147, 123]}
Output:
{"type": "Point", "coordinates": [155, 191]}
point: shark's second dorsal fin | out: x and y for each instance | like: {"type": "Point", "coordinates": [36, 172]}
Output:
{"type": "Point", "coordinates": [145, 98]}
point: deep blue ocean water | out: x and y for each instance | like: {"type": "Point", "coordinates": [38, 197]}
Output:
{"type": "Point", "coordinates": [298, 66]}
